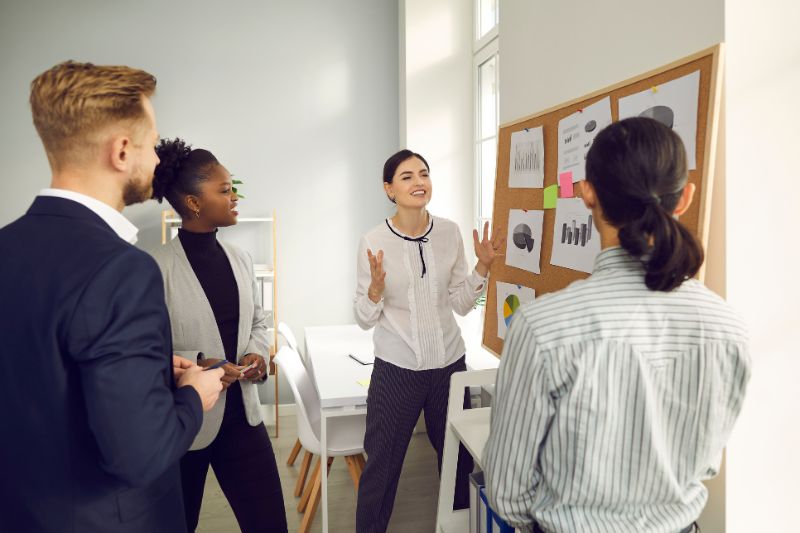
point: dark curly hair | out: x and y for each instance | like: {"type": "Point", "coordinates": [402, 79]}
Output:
{"type": "Point", "coordinates": [638, 169]}
{"type": "Point", "coordinates": [180, 172]}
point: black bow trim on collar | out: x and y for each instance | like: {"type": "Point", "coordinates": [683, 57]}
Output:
{"type": "Point", "coordinates": [418, 240]}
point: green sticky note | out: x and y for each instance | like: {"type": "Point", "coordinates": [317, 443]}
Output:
{"type": "Point", "coordinates": [550, 196]}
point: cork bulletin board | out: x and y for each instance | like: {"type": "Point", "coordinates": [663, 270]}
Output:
{"type": "Point", "coordinates": [552, 278]}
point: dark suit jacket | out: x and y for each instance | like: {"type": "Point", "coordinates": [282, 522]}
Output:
{"type": "Point", "coordinates": [92, 423]}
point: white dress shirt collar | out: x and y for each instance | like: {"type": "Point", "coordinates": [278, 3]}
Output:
{"type": "Point", "coordinates": [121, 225]}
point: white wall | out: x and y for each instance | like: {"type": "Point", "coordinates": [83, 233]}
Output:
{"type": "Point", "coordinates": [552, 52]}
{"type": "Point", "coordinates": [436, 96]}
{"type": "Point", "coordinates": [763, 84]}
{"type": "Point", "coordinates": [297, 98]}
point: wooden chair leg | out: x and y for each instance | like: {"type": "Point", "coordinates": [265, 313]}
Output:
{"type": "Point", "coordinates": [277, 418]}
{"type": "Point", "coordinates": [362, 461]}
{"type": "Point", "coordinates": [295, 452]}
{"type": "Point", "coordinates": [352, 466]}
{"type": "Point", "coordinates": [315, 479]}
{"type": "Point", "coordinates": [301, 479]}
{"type": "Point", "coordinates": [313, 503]}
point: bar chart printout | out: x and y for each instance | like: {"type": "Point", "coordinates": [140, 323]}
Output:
{"type": "Point", "coordinates": [577, 235]}
{"type": "Point", "coordinates": [576, 242]}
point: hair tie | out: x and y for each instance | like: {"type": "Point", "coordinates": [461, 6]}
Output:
{"type": "Point", "coordinates": [654, 199]}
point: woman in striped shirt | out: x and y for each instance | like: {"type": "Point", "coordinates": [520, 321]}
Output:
{"type": "Point", "coordinates": [616, 395]}
{"type": "Point", "coordinates": [412, 276]}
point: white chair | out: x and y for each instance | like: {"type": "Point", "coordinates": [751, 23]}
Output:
{"type": "Point", "coordinates": [345, 435]}
{"type": "Point", "coordinates": [291, 341]}
{"type": "Point", "coordinates": [288, 336]}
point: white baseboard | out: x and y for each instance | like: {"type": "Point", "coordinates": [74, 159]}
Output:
{"type": "Point", "coordinates": [268, 411]}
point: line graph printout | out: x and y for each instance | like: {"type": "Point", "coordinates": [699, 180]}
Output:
{"type": "Point", "coordinates": [526, 164]}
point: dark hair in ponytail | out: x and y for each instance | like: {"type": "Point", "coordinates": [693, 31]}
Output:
{"type": "Point", "coordinates": [391, 164]}
{"type": "Point", "coordinates": [180, 172]}
{"type": "Point", "coordinates": [637, 167]}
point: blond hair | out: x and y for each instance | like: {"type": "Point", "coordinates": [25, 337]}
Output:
{"type": "Point", "coordinates": [73, 102]}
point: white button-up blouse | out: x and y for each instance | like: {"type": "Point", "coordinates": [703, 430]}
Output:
{"type": "Point", "coordinates": [414, 323]}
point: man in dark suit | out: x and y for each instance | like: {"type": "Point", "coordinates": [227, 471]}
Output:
{"type": "Point", "coordinates": [93, 420]}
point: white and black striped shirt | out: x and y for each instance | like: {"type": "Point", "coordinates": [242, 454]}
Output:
{"type": "Point", "coordinates": [613, 402]}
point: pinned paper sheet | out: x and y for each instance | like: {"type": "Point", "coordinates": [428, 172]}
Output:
{"type": "Point", "coordinates": [576, 242]}
{"type": "Point", "coordinates": [526, 158]}
{"type": "Point", "coordinates": [509, 298]}
{"type": "Point", "coordinates": [524, 243]}
{"type": "Point", "coordinates": [565, 182]}
{"type": "Point", "coordinates": [550, 196]}
{"type": "Point", "coordinates": [364, 382]}
{"type": "Point", "coordinates": [674, 104]}
{"type": "Point", "coordinates": [576, 134]}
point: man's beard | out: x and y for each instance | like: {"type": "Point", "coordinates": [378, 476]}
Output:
{"type": "Point", "coordinates": [137, 191]}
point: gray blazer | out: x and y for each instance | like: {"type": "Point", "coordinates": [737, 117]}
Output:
{"type": "Point", "coordinates": [194, 328]}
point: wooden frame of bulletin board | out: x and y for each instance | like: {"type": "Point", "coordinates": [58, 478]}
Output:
{"type": "Point", "coordinates": [552, 278]}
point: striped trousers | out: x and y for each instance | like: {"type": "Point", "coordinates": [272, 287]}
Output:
{"type": "Point", "coordinates": [395, 399]}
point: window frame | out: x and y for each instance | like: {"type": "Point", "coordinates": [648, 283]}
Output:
{"type": "Point", "coordinates": [484, 49]}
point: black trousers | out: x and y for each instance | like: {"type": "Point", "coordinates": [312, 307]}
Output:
{"type": "Point", "coordinates": [244, 463]}
{"type": "Point", "coordinates": [395, 399]}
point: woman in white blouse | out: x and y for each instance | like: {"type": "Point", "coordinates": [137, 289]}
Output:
{"type": "Point", "coordinates": [412, 275]}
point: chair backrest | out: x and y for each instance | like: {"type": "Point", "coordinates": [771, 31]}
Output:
{"type": "Point", "coordinates": [287, 334]}
{"type": "Point", "coordinates": [305, 394]}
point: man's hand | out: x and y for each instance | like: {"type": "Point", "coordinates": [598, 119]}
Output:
{"type": "Point", "coordinates": [207, 383]}
{"type": "Point", "coordinates": [180, 365]}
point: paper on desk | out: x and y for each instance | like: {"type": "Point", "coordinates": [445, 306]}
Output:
{"type": "Point", "coordinates": [363, 358]}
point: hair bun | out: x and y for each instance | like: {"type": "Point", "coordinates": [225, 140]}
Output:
{"type": "Point", "coordinates": [173, 154]}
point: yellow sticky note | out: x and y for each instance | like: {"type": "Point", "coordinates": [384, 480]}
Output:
{"type": "Point", "coordinates": [550, 196]}
{"type": "Point", "coordinates": [363, 382]}
{"type": "Point", "coordinates": [654, 88]}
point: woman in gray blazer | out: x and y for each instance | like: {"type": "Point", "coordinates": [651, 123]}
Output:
{"type": "Point", "coordinates": [214, 309]}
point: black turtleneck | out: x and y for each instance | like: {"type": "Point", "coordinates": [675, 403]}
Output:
{"type": "Point", "coordinates": [213, 270]}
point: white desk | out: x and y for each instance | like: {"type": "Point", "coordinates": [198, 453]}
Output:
{"type": "Point", "coordinates": [336, 375]}
{"type": "Point", "coordinates": [469, 427]}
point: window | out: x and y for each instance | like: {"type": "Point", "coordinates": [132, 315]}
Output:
{"type": "Point", "coordinates": [487, 17]}
{"type": "Point", "coordinates": [486, 70]}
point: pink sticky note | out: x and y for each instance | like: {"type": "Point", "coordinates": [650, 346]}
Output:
{"type": "Point", "coordinates": [565, 183]}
